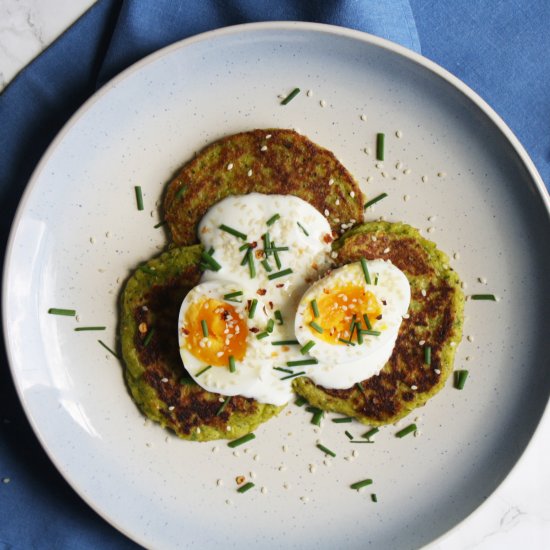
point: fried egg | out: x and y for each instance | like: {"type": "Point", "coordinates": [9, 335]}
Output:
{"type": "Point", "coordinates": [348, 325]}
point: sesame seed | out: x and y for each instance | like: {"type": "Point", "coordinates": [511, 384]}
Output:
{"type": "Point", "coordinates": [229, 502]}
{"type": "Point", "coordinates": [363, 117]}
{"type": "Point", "coordinates": [456, 255]}
{"type": "Point", "coordinates": [482, 280]}
{"type": "Point", "coordinates": [309, 93]}
{"type": "Point", "coordinates": [384, 174]}
{"type": "Point", "coordinates": [171, 408]}
{"type": "Point", "coordinates": [470, 338]}
{"type": "Point", "coordinates": [236, 453]}
{"type": "Point", "coordinates": [337, 202]}
{"type": "Point", "coordinates": [108, 234]}
{"type": "Point", "coordinates": [437, 371]}
{"type": "Point", "coordinates": [263, 490]}
{"type": "Point", "coordinates": [398, 134]}
{"type": "Point", "coordinates": [373, 238]}
{"type": "Point", "coordinates": [431, 229]}
{"type": "Point", "coordinates": [423, 292]}
{"type": "Point", "coordinates": [379, 165]}
{"type": "Point", "coordinates": [399, 165]}
{"type": "Point", "coordinates": [386, 250]}
{"type": "Point", "coordinates": [312, 468]}
{"type": "Point", "coordinates": [331, 181]}
{"type": "Point", "coordinates": [215, 449]}
{"type": "Point", "coordinates": [327, 212]}
{"type": "Point", "coordinates": [304, 499]}
{"type": "Point", "coordinates": [355, 453]}
{"type": "Point", "coordinates": [286, 485]}
{"type": "Point", "coordinates": [424, 179]}
{"type": "Point", "coordinates": [164, 380]}
{"type": "Point", "coordinates": [414, 388]}
{"type": "Point", "coordinates": [92, 240]}
{"type": "Point", "coordinates": [352, 194]}
{"type": "Point", "coordinates": [219, 482]}
{"type": "Point", "coordinates": [228, 429]}
{"type": "Point", "coordinates": [230, 166]}
{"type": "Point", "coordinates": [6, 480]}
{"type": "Point", "coordinates": [268, 136]}
{"type": "Point", "coordinates": [406, 316]}
{"type": "Point", "coordinates": [252, 475]}
{"type": "Point", "coordinates": [323, 103]}
{"type": "Point", "coordinates": [334, 254]}
{"type": "Point", "coordinates": [407, 171]}
{"type": "Point", "coordinates": [406, 197]}
{"type": "Point", "coordinates": [441, 174]}
{"type": "Point", "coordinates": [366, 150]}
{"type": "Point", "coordinates": [249, 172]}
{"type": "Point", "coordinates": [256, 457]}
{"type": "Point", "coordinates": [422, 342]}
{"type": "Point", "coordinates": [263, 148]}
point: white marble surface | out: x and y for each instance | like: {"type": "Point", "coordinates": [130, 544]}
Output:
{"type": "Point", "coordinates": [517, 515]}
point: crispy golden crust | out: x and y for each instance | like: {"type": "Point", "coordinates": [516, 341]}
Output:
{"type": "Point", "coordinates": [154, 370]}
{"type": "Point", "coordinates": [286, 163]}
{"type": "Point", "coordinates": [435, 320]}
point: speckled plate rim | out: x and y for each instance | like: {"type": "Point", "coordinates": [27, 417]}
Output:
{"type": "Point", "coordinates": [384, 44]}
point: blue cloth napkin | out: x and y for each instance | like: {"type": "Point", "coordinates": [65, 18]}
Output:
{"type": "Point", "coordinates": [37, 507]}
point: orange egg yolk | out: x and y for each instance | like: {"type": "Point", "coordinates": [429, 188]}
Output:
{"type": "Point", "coordinates": [227, 332]}
{"type": "Point", "coordinates": [338, 307]}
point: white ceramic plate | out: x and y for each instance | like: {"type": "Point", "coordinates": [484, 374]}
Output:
{"type": "Point", "coordinates": [78, 234]}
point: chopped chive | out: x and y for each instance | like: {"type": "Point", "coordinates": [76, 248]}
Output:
{"type": "Point", "coordinates": [246, 487]}
{"type": "Point", "coordinates": [232, 367]}
{"type": "Point", "coordinates": [270, 325]}
{"type": "Point", "coordinates": [245, 246]}
{"type": "Point", "coordinates": [376, 280]}
{"type": "Point", "coordinates": [147, 269]}
{"type": "Point", "coordinates": [285, 343]}
{"type": "Point", "coordinates": [317, 417]}
{"type": "Point", "coordinates": [273, 219]}
{"type": "Point", "coordinates": [370, 433]}
{"type": "Point", "coordinates": [232, 295]}
{"type": "Point", "coordinates": [460, 379]}
{"type": "Point", "coordinates": [315, 308]}
{"type": "Point", "coordinates": [267, 243]}
{"type": "Point", "coordinates": [233, 232]}
{"type": "Point", "coordinates": [304, 349]}
{"type": "Point", "coordinates": [316, 327]}
{"type": "Point", "coordinates": [160, 224]}
{"type": "Point", "coordinates": [300, 401]}
{"type": "Point", "coordinates": [288, 371]}
{"type": "Point", "coordinates": [370, 332]}
{"type": "Point", "coordinates": [277, 257]}
{"type": "Point", "coordinates": [187, 381]}
{"type": "Point", "coordinates": [365, 269]}
{"type": "Point", "coordinates": [293, 375]}
{"type": "Point", "coordinates": [210, 262]}
{"type": "Point", "coordinates": [303, 229]}
{"type": "Point", "coordinates": [290, 96]}
{"type": "Point", "coordinates": [266, 265]}
{"type": "Point", "coordinates": [242, 440]}
{"type": "Point", "coordinates": [360, 484]}
{"type": "Point", "coordinates": [406, 431]}
{"type": "Point", "coordinates": [301, 362]}
{"type": "Point", "coordinates": [202, 371]}
{"type": "Point", "coordinates": [349, 435]}
{"type": "Point", "coordinates": [251, 266]}
{"type": "Point", "coordinates": [359, 334]}
{"type": "Point", "coordinates": [180, 192]}
{"type": "Point", "coordinates": [148, 338]}
{"type": "Point", "coordinates": [428, 355]}
{"type": "Point", "coordinates": [203, 266]}
{"type": "Point", "coordinates": [367, 321]}
{"type": "Point", "coordinates": [491, 297]}
{"type": "Point", "coordinates": [279, 317]}
{"type": "Point", "coordinates": [373, 497]}
{"type": "Point", "coordinates": [278, 274]}
{"type": "Point", "coordinates": [60, 311]}
{"type": "Point", "coordinates": [204, 327]}
{"type": "Point", "coordinates": [375, 200]}
{"type": "Point", "coordinates": [360, 387]}
{"type": "Point", "coordinates": [109, 349]}
{"type": "Point", "coordinates": [262, 335]}
{"type": "Point", "coordinates": [347, 342]}
{"type": "Point", "coordinates": [139, 197]}
{"type": "Point", "coordinates": [78, 329]}
{"type": "Point", "coordinates": [326, 450]}
{"type": "Point", "coordinates": [380, 146]}
{"type": "Point", "coordinates": [224, 404]}
{"type": "Point", "coordinates": [248, 252]}
{"type": "Point", "coordinates": [361, 441]}
{"type": "Point", "coordinates": [342, 420]}
{"type": "Point", "coordinates": [252, 309]}
{"type": "Point", "coordinates": [312, 409]}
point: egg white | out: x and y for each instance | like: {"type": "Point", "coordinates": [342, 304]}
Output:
{"type": "Point", "coordinates": [339, 365]}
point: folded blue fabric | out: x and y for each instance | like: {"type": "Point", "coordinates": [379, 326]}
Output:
{"type": "Point", "coordinates": [37, 508]}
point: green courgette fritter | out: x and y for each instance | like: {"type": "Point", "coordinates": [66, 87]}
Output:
{"type": "Point", "coordinates": [154, 371]}
{"type": "Point", "coordinates": [434, 320]}
{"type": "Point", "coordinates": [271, 161]}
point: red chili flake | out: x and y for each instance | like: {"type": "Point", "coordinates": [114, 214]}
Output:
{"type": "Point", "coordinates": [225, 314]}
{"type": "Point", "coordinates": [261, 291]}
{"type": "Point", "coordinates": [254, 244]}
{"type": "Point", "coordinates": [327, 238]}
{"type": "Point", "coordinates": [280, 285]}
{"type": "Point", "coordinates": [270, 304]}
{"type": "Point", "coordinates": [259, 254]}
{"type": "Point", "coordinates": [254, 330]}
{"type": "Point", "coordinates": [185, 331]}
{"type": "Point", "coordinates": [379, 317]}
